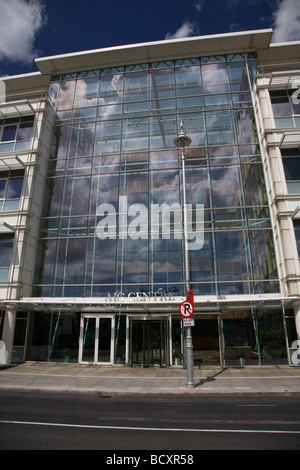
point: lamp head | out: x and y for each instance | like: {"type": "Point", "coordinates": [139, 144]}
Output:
{"type": "Point", "coordinates": [182, 140]}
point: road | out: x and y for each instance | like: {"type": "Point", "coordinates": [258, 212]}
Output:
{"type": "Point", "coordinates": [173, 423]}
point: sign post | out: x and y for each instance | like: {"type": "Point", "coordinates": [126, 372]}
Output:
{"type": "Point", "coordinates": [186, 310]}
{"type": "Point", "coordinates": [181, 142]}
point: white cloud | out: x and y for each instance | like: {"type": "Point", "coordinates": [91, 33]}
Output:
{"type": "Point", "coordinates": [186, 30]}
{"type": "Point", "coordinates": [199, 5]}
{"type": "Point", "coordinates": [287, 21]}
{"type": "Point", "coordinates": [20, 20]}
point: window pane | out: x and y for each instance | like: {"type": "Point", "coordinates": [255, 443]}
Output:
{"type": "Point", "coordinates": [254, 185]}
{"type": "Point", "coordinates": [280, 104]}
{"type": "Point", "coordinates": [284, 122]}
{"type": "Point", "coordinates": [295, 100]}
{"type": "Point", "coordinates": [164, 187]}
{"type": "Point", "coordinates": [163, 159]}
{"type": "Point", "coordinates": [162, 132]}
{"type": "Point", "coordinates": [188, 81]}
{"type": "Point", "coordinates": [263, 255]}
{"type": "Point", "coordinates": [190, 103]}
{"type": "Point", "coordinates": [136, 87]}
{"type": "Point", "coordinates": [297, 234]}
{"type": "Point", "coordinates": [133, 254]}
{"type": "Point", "coordinates": [215, 78]}
{"type": "Point", "coordinates": [104, 340]}
{"type": "Point", "coordinates": [217, 101]}
{"type": "Point", "coordinates": [66, 95]}
{"type": "Point", "coordinates": [202, 264]}
{"type": "Point", "coordinates": [272, 337]}
{"type": "Point", "coordinates": [2, 188]}
{"type": "Point", "coordinates": [166, 262]}
{"type": "Point", "coordinates": [101, 261]}
{"type": "Point", "coordinates": [291, 168]}
{"type": "Point", "coordinates": [62, 133]}
{"type": "Point", "coordinates": [111, 89]}
{"type": "Point", "coordinates": [109, 111]}
{"type": "Point", "coordinates": [232, 256]}
{"type": "Point", "coordinates": [76, 196]}
{"type": "Point", "coordinates": [238, 76]}
{"type": "Point", "coordinates": [246, 133]}
{"type": "Point", "coordinates": [197, 186]}
{"type": "Point", "coordinates": [82, 140]}
{"type": "Point", "coordinates": [220, 128]}
{"type": "Point", "coordinates": [86, 93]}
{"type": "Point", "coordinates": [226, 186]}
{"type": "Point", "coordinates": [135, 187]}
{"type": "Point", "coordinates": [9, 133]}
{"type": "Point", "coordinates": [135, 135]}
{"type": "Point", "coordinates": [11, 205]}
{"type": "Point", "coordinates": [84, 114]}
{"type": "Point", "coordinates": [25, 131]}
{"type": "Point", "coordinates": [6, 245]}
{"type": "Point", "coordinates": [88, 347]}
{"type": "Point", "coordinates": [104, 189]}
{"type": "Point", "coordinates": [14, 188]}
{"type": "Point", "coordinates": [293, 187]}
{"type": "Point", "coordinates": [194, 128]}
{"type": "Point", "coordinates": [108, 137]}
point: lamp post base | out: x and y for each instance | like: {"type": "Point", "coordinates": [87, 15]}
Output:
{"type": "Point", "coordinates": [189, 359]}
{"type": "Point", "coordinates": [190, 386]}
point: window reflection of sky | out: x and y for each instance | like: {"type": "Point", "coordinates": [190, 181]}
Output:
{"type": "Point", "coordinates": [116, 131]}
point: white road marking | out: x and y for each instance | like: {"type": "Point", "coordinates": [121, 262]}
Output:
{"type": "Point", "coordinates": [135, 428]}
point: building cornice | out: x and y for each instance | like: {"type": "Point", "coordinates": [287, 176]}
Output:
{"type": "Point", "coordinates": [158, 50]}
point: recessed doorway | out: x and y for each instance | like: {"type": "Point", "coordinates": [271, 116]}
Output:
{"type": "Point", "coordinates": [149, 344]}
{"type": "Point", "coordinates": [207, 341]}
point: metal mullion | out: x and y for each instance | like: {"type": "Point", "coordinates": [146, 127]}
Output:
{"type": "Point", "coordinates": [96, 346]}
{"type": "Point", "coordinates": [112, 338]}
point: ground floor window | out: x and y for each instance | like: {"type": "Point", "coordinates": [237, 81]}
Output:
{"type": "Point", "coordinates": [240, 338]}
{"type": "Point", "coordinates": [206, 340]}
{"type": "Point", "coordinates": [54, 337]}
{"type": "Point", "coordinates": [272, 337]}
{"type": "Point", "coordinates": [228, 338]}
{"type": "Point", "coordinates": [20, 336]}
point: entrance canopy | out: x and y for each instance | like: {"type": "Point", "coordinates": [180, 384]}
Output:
{"type": "Point", "coordinates": [143, 303]}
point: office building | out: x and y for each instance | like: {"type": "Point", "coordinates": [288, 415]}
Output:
{"type": "Point", "coordinates": [92, 253]}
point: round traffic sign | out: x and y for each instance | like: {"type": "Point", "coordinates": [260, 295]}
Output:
{"type": "Point", "coordinates": [186, 309]}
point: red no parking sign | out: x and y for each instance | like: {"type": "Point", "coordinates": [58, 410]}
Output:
{"type": "Point", "coordinates": [186, 309]}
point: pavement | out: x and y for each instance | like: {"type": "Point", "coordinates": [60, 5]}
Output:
{"type": "Point", "coordinates": [112, 380]}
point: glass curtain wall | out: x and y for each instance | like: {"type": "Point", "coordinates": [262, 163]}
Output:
{"type": "Point", "coordinates": [113, 148]}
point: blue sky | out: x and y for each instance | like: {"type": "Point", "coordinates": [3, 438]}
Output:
{"type": "Point", "coordinates": [39, 28]}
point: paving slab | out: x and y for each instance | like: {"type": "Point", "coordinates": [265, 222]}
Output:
{"type": "Point", "coordinates": [119, 379]}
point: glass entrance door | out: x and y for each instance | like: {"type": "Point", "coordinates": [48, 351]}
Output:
{"type": "Point", "coordinates": [149, 342]}
{"type": "Point", "coordinates": [96, 339]}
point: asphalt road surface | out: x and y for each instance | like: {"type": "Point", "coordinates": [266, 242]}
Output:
{"type": "Point", "coordinates": [165, 425]}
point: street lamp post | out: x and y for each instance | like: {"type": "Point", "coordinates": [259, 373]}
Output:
{"type": "Point", "coordinates": [181, 142]}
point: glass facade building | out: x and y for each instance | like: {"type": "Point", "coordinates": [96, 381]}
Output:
{"type": "Point", "coordinates": [114, 137]}
{"type": "Point", "coordinates": [107, 264]}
